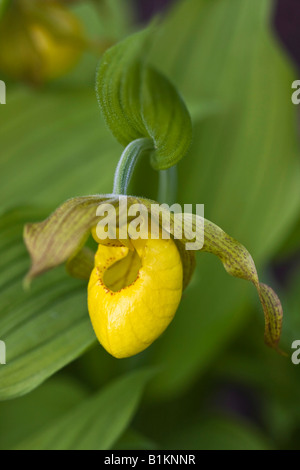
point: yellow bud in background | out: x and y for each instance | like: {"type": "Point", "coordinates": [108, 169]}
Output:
{"type": "Point", "coordinates": [39, 41]}
{"type": "Point", "coordinates": [133, 295]}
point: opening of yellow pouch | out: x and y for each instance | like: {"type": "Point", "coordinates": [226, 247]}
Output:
{"type": "Point", "coordinates": [123, 272]}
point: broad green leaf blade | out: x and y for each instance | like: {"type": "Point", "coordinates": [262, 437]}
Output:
{"type": "Point", "coordinates": [137, 101]}
{"type": "Point", "coordinates": [58, 153]}
{"type": "Point", "coordinates": [98, 422]}
{"type": "Point", "coordinates": [27, 415]}
{"type": "Point", "coordinates": [243, 164]}
{"type": "Point", "coordinates": [45, 328]}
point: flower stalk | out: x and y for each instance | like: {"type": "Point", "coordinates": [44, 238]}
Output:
{"type": "Point", "coordinates": [127, 163]}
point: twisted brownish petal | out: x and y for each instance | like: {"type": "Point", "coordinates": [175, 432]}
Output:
{"type": "Point", "coordinates": [53, 241]}
{"type": "Point", "coordinates": [239, 263]}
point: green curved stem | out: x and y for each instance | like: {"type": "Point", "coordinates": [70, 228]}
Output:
{"type": "Point", "coordinates": [168, 184]}
{"type": "Point", "coordinates": [127, 163]}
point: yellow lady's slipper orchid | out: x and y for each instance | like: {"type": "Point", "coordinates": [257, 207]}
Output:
{"type": "Point", "coordinates": [133, 294]}
{"type": "Point", "coordinates": [135, 286]}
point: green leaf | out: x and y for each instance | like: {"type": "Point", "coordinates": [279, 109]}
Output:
{"type": "Point", "coordinates": [56, 153]}
{"type": "Point", "coordinates": [243, 165]}
{"type": "Point", "coordinates": [45, 328]}
{"type": "Point", "coordinates": [138, 101]}
{"type": "Point", "coordinates": [27, 415]}
{"type": "Point", "coordinates": [98, 422]}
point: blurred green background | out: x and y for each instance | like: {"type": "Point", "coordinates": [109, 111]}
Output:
{"type": "Point", "coordinates": [209, 382]}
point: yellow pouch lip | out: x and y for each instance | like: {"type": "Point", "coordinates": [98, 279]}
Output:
{"type": "Point", "coordinates": [127, 321]}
